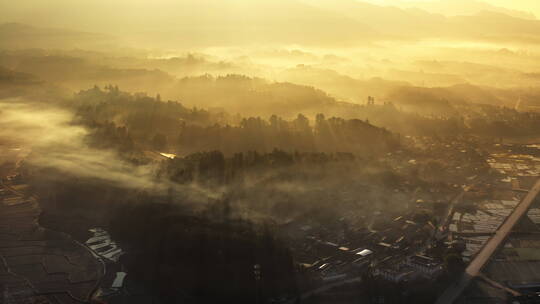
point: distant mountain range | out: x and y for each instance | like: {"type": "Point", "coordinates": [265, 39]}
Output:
{"type": "Point", "coordinates": [481, 22]}
{"type": "Point", "coordinates": [23, 36]}
{"type": "Point", "coordinates": [199, 23]}
{"type": "Point", "coordinates": [464, 7]}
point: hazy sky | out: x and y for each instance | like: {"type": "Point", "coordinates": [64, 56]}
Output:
{"type": "Point", "coordinates": [532, 6]}
{"type": "Point", "coordinates": [525, 5]}
{"type": "Point", "coordinates": [160, 23]}
{"type": "Point", "coordinates": [72, 13]}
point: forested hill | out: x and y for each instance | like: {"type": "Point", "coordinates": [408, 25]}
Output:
{"type": "Point", "coordinates": [129, 120]}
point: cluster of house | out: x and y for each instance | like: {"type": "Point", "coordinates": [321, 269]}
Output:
{"type": "Point", "coordinates": [343, 262]}
{"type": "Point", "coordinates": [515, 165]}
{"type": "Point", "coordinates": [102, 245]}
{"type": "Point", "coordinates": [340, 262]}
{"type": "Point", "coordinates": [414, 267]}
{"type": "Point", "coordinates": [352, 256]}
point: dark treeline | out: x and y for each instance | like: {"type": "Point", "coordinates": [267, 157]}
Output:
{"type": "Point", "coordinates": [325, 135]}
{"type": "Point", "coordinates": [122, 118]}
{"type": "Point", "coordinates": [215, 169]}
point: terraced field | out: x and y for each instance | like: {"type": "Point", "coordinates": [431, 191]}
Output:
{"type": "Point", "coordinates": [39, 265]}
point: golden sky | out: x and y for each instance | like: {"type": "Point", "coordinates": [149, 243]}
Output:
{"type": "Point", "coordinates": [526, 5]}
{"type": "Point", "coordinates": [283, 22]}
{"type": "Point", "coordinates": [532, 6]}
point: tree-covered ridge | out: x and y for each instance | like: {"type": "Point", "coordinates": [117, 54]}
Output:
{"type": "Point", "coordinates": [153, 124]}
